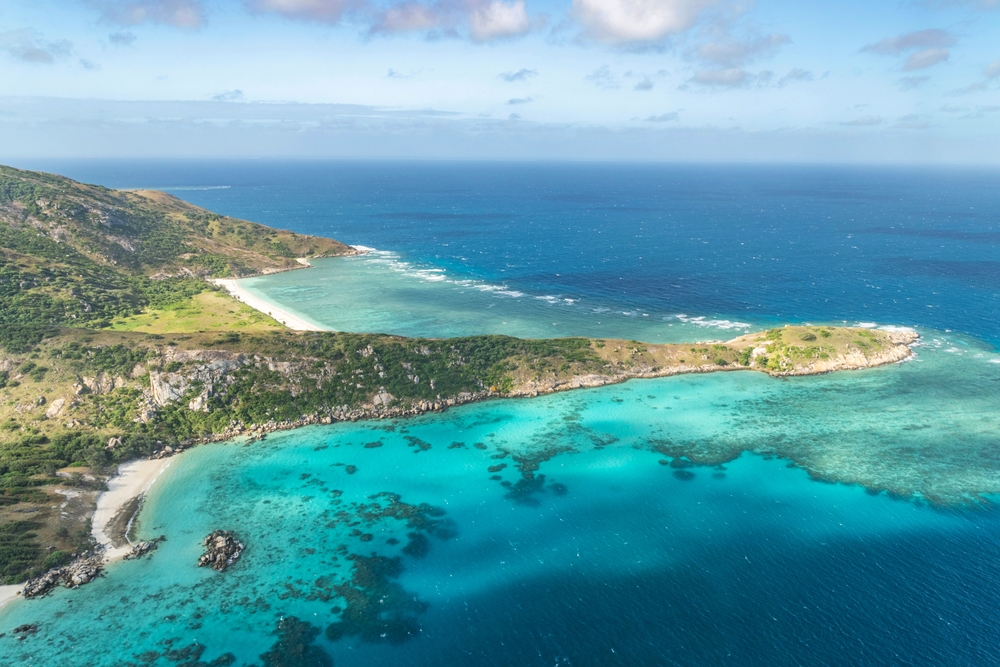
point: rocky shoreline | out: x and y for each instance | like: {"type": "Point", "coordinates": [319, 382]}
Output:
{"type": "Point", "coordinates": [81, 571]}
{"type": "Point", "coordinates": [381, 406]}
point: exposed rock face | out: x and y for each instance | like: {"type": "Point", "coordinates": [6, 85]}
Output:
{"type": "Point", "coordinates": [223, 549]}
{"type": "Point", "coordinates": [79, 572]}
{"type": "Point", "coordinates": [383, 398]}
{"type": "Point", "coordinates": [101, 384]}
{"type": "Point", "coordinates": [216, 364]}
{"type": "Point", "coordinates": [55, 408]}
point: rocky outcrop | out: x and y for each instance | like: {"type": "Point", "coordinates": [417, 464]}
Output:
{"type": "Point", "coordinates": [140, 549]}
{"type": "Point", "coordinates": [79, 572]}
{"type": "Point", "coordinates": [383, 398]}
{"type": "Point", "coordinates": [170, 387]}
{"type": "Point", "coordinates": [857, 358]}
{"type": "Point", "coordinates": [102, 383]}
{"type": "Point", "coordinates": [24, 630]}
{"type": "Point", "coordinates": [208, 371]}
{"type": "Point", "coordinates": [223, 549]}
{"type": "Point", "coordinates": [55, 408]}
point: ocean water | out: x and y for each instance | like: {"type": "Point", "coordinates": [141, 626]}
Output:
{"type": "Point", "coordinates": [754, 243]}
{"type": "Point", "coordinates": [724, 519]}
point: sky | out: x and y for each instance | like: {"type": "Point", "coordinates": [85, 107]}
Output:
{"type": "Point", "coordinates": [910, 81]}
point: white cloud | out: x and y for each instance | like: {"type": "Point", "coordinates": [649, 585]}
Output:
{"type": "Point", "coordinates": [121, 39]}
{"type": "Point", "coordinates": [933, 38]}
{"type": "Point", "coordinates": [637, 21]}
{"type": "Point", "coordinates": [519, 75]}
{"type": "Point", "coordinates": [734, 77]}
{"type": "Point", "coordinates": [480, 20]}
{"type": "Point", "coordinates": [520, 100]}
{"type": "Point", "coordinates": [322, 11]}
{"type": "Point", "coordinates": [407, 17]}
{"type": "Point", "coordinates": [924, 59]}
{"type": "Point", "coordinates": [992, 71]}
{"type": "Point", "coordinates": [794, 75]}
{"type": "Point", "coordinates": [664, 117]}
{"type": "Point", "coordinates": [865, 121]}
{"type": "Point", "coordinates": [177, 13]}
{"type": "Point", "coordinates": [393, 74]}
{"type": "Point", "coordinates": [736, 53]}
{"type": "Point", "coordinates": [603, 78]}
{"type": "Point", "coordinates": [911, 82]}
{"type": "Point", "coordinates": [30, 47]}
{"type": "Point", "coordinates": [498, 20]}
{"type": "Point", "coordinates": [229, 96]}
{"type": "Point", "coordinates": [913, 121]}
{"type": "Point", "coordinates": [645, 84]}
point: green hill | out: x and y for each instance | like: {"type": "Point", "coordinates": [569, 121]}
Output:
{"type": "Point", "coordinates": [82, 255]}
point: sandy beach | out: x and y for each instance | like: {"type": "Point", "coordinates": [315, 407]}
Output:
{"type": "Point", "coordinates": [133, 480]}
{"type": "Point", "coordinates": [291, 321]}
{"type": "Point", "coordinates": [8, 594]}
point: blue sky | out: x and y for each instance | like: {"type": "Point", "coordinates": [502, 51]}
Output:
{"type": "Point", "coordinates": [771, 80]}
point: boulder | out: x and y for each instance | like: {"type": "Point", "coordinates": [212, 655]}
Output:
{"type": "Point", "coordinates": [55, 408]}
{"type": "Point", "coordinates": [222, 549]}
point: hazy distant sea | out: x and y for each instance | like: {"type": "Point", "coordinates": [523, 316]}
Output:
{"type": "Point", "coordinates": [731, 519]}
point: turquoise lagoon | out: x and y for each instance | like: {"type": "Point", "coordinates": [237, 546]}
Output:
{"type": "Point", "coordinates": [381, 291]}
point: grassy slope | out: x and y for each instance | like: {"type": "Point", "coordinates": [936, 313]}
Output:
{"type": "Point", "coordinates": [203, 312]}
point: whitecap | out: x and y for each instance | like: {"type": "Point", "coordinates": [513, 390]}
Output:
{"type": "Point", "coordinates": [195, 187]}
{"type": "Point", "coordinates": [702, 321]}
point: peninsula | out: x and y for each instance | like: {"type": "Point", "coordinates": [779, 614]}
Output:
{"type": "Point", "coordinates": [115, 345]}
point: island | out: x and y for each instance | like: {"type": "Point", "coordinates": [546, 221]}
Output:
{"type": "Point", "coordinates": [117, 347]}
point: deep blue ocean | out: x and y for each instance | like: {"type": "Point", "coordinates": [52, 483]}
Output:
{"type": "Point", "coordinates": [914, 246]}
{"type": "Point", "coordinates": [725, 519]}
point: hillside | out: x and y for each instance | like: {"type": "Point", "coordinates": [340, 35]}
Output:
{"type": "Point", "coordinates": [82, 255]}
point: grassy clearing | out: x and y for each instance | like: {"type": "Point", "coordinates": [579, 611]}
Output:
{"type": "Point", "coordinates": [207, 311]}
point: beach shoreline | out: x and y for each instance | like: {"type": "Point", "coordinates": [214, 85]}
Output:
{"type": "Point", "coordinates": [291, 321]}
{"type": "Point", "coordinates": [9, 593]}
{"type": "Point", "coordinates": [134, 479]}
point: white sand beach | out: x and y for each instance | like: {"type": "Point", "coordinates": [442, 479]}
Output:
{"type": "Point", "coordinates": [8, 594]}
{"type": "Point", "coordinates": [291, 321]}
{"type": "Point", "coordinates": [133, 479]}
